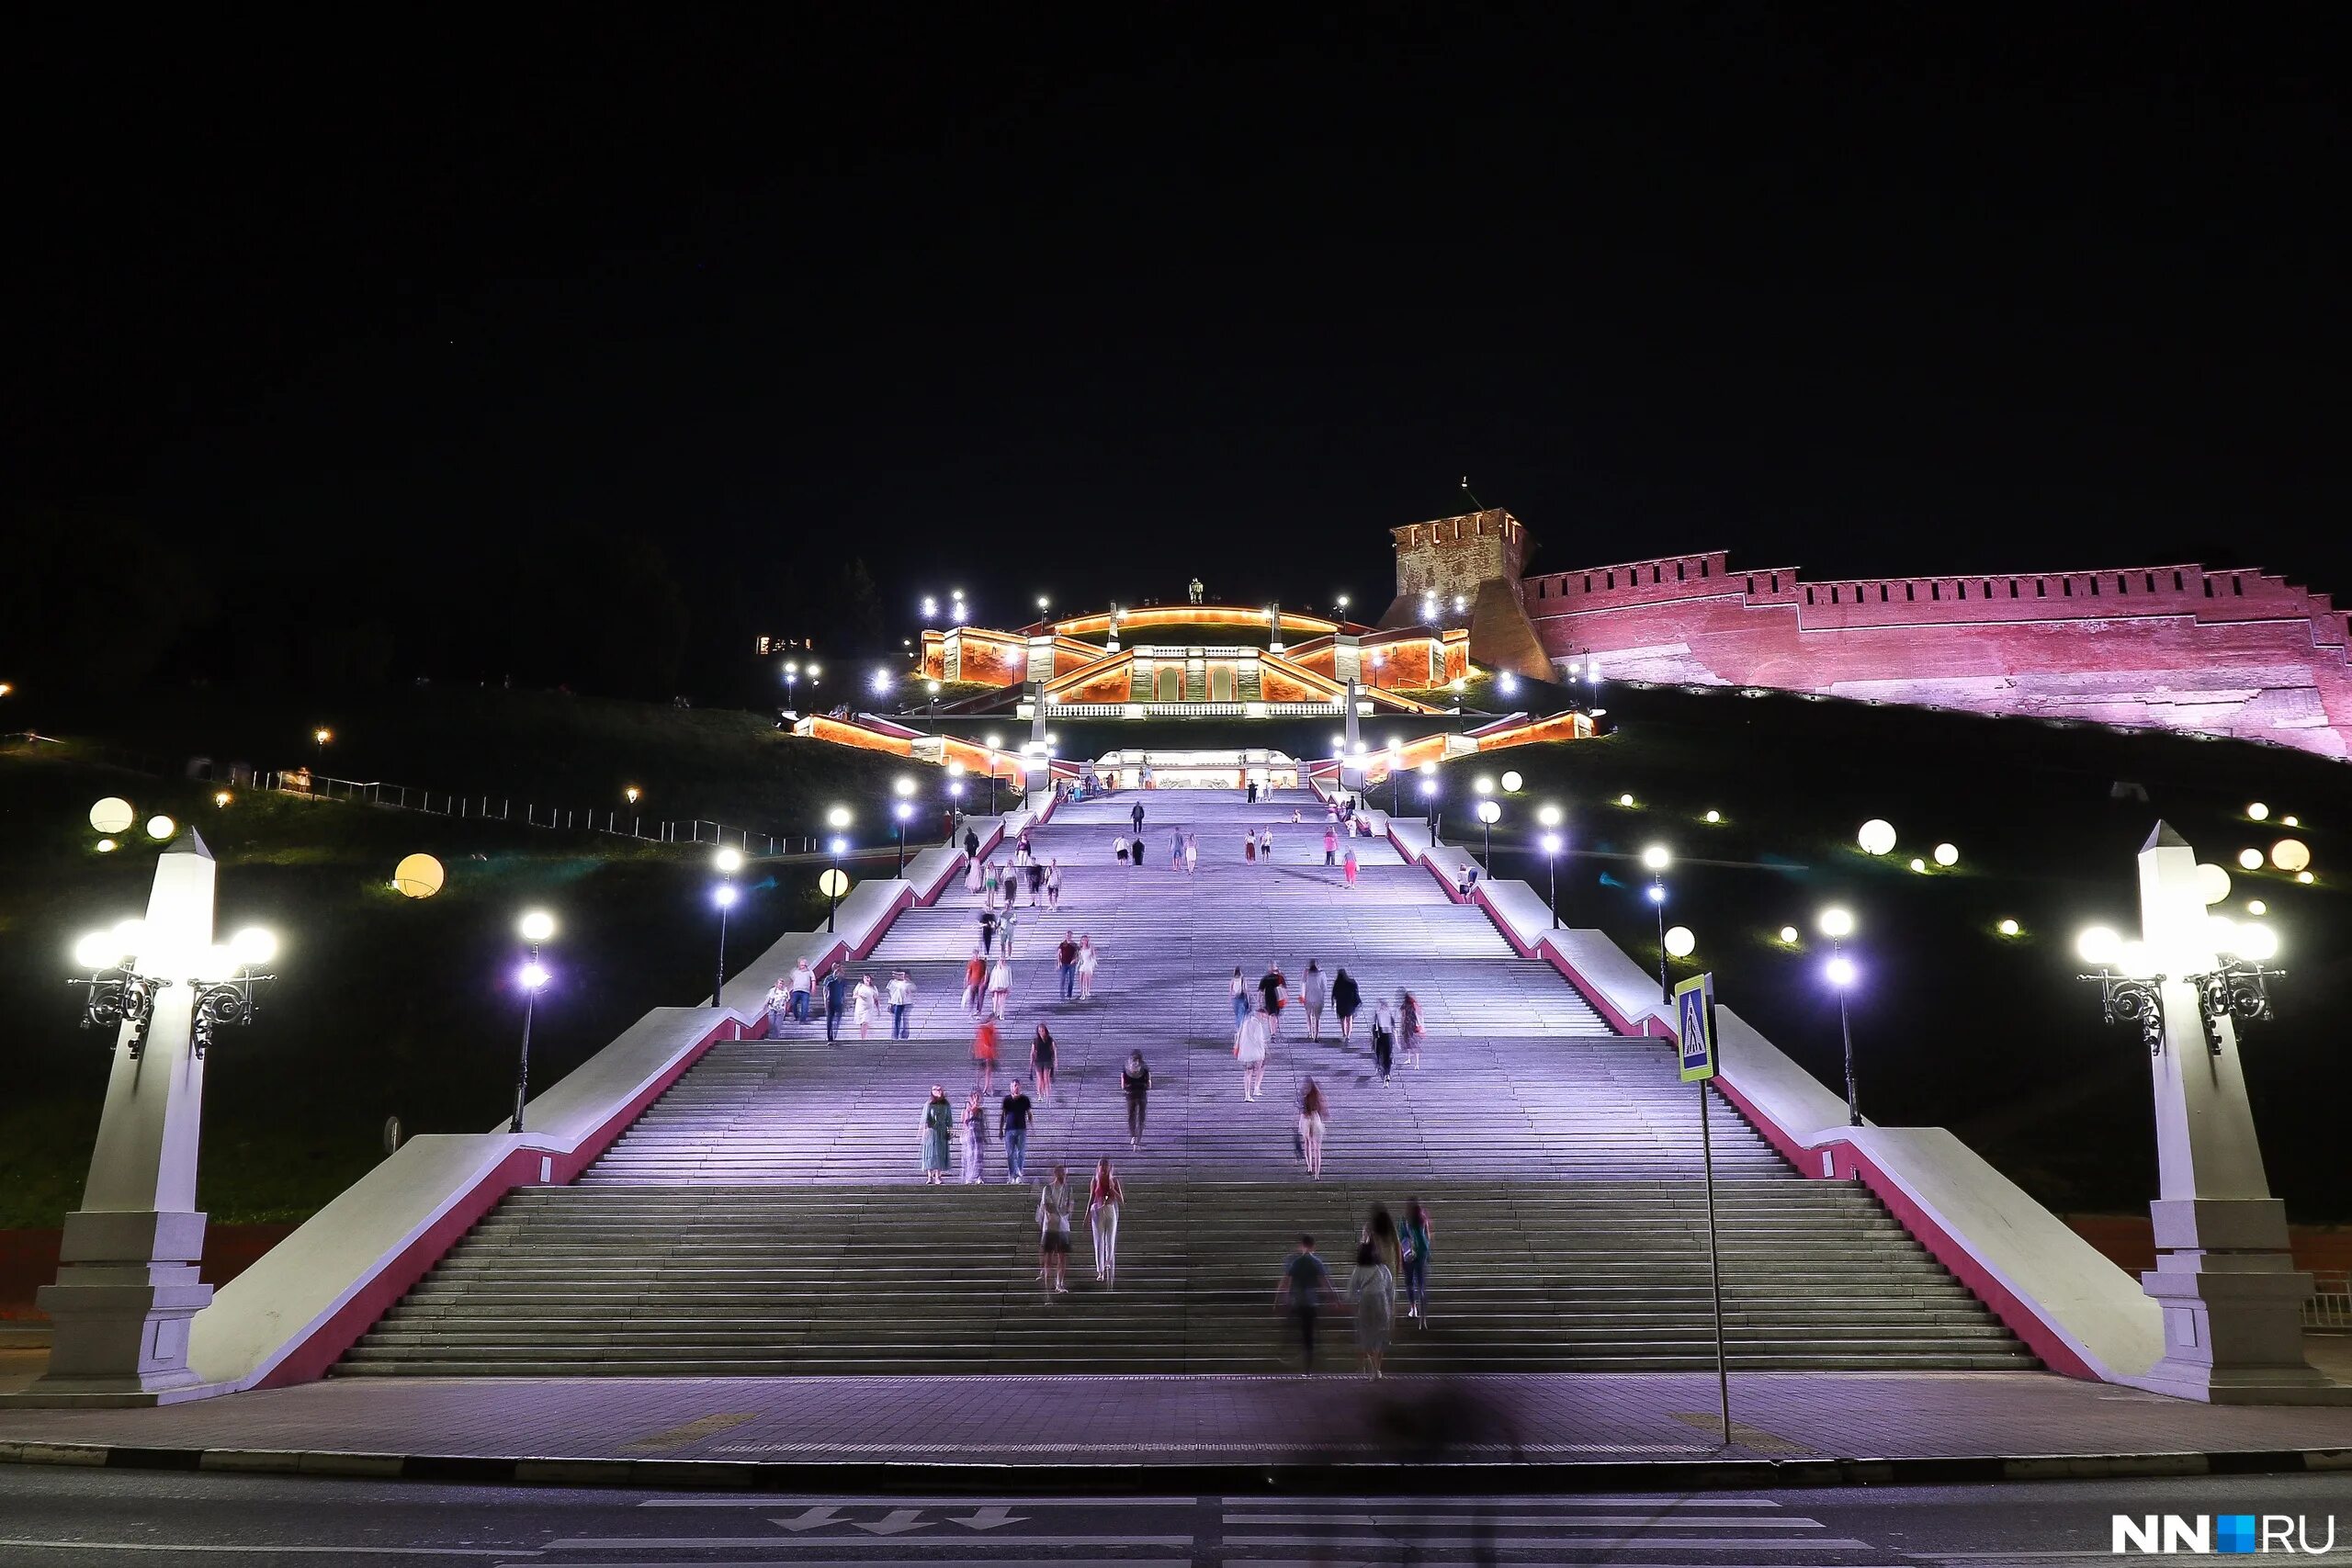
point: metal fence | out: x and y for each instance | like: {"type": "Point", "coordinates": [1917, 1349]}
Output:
{"type": "Point", "coordinates": [501, 808]}
{"type": "Point", "coordinates": [2331, 1304]}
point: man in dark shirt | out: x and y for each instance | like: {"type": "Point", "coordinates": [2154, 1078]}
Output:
{"type": "Point", "coordinates": [988, 932]}
{"type": "Point", "coordinates": [1067, 955]}
{"type": "Point", "coordinates": [1013, 1121]}
{"type": "Point", "coordinates": [1137, 816]}
{"type": "Point", "coordinates": [1305, 1285]}
{"type": "Point", "coordinates": [836, 998]}
{"type": "Point", "coordinates": [971, 845]}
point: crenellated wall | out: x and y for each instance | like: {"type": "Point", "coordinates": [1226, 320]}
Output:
{"type": "Point", "coordinates": [2240, 653]}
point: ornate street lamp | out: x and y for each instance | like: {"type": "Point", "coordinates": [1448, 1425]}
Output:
{"type": "Point", "coordinates": [128, 968]}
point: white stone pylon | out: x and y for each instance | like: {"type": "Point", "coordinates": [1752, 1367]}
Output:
{"type": "Point", "coordinates": [2231, 1294]}
{"type": "Point", "coordinates": [1351, 765]}
{"type": "Point", "coordinates": [127, 1280]}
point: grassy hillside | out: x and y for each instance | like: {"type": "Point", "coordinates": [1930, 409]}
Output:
{"type": "Point", "coordinates": [1953, 1023]}
{"type": "Point", "coordinates": [385, 1005]}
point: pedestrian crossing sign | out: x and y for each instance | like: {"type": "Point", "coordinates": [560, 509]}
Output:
{"type": "Point", "coordinates": [1694, 1026]}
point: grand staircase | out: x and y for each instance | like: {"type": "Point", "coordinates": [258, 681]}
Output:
{"type": "Point", "coordinates": [767, 1217]}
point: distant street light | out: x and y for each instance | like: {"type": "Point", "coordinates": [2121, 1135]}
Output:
{"type": "Point", "coordinates": [1838, 923]}
{"type": "Point", "coordinates": [536, 927]}
{"type": "Point", "coordinates": [837, 818]}
{"type": "Point", "coordinates": [1658, 858]}
{"type": "Point", "coordinates": [1552, 858]}
{"type": "Point", "coordinates": [900, 811]}
{"type": "Point", "coordinates": [724, 896]}
{"type": "Point", "coordinates": [1429, 806]}
{"type": "Point", "coordinates": [1490, 811]}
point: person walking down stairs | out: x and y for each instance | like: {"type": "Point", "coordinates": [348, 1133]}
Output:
{"type": "Point", "coordinates": [1054, 1206]}
{"type": "Point", "coordinates": [1065, 956]}
{"type": "Point", "coordinates": [1041, 1062]}
{"type": "Point", "coordinates": [901, 997]}
{"type": "Point", "coordinates": [1012, 1120]}
{"type": "Point", "coordinates": [938, 1125]}
{"type": "Point", "coordinates": [1104, 1198]}
{"type": "Point", "coordinates": [836, 1002]}
{"type": "Point", "coordinates": [1383, 1040]}
{"type": "Point", "coordinates": [804, 984]}
{"type": "Point", "coordinates": [868, 1004]}
{"type": "Point", "coordinates": [976, 984]}
{"type": "Point", "coordinates": [1000, 987]}
{"type": "Point", "coordinates": [1086, 962]}
{"type": "Point", "coordinates": [1135, 1080]}
{"type": "Point", "coordinates": [984, 1054]}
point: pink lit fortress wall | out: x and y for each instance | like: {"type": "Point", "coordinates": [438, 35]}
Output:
{"type": "Point", "coordinates": [2236, 653]}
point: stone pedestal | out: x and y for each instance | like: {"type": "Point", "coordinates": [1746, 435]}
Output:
{"type": "Point", "coordinates": [2231, 1294]}
{"type": "Point", "coordinates": [127, 1283]}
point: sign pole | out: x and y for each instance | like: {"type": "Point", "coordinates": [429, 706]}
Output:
{"type": "Point", "coordinates": [1694, 1014]}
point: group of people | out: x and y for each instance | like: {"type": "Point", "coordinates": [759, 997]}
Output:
{"type": "Point", "coordinates": [1013, 1113]}
{"type": "Point", "coordinates": [1024, 879]}
{"type": "Point", "coordinates": [1257, 1020]}
{"type": "Point", "coordinates": [862, 1002]}
{"type": "Point", "coordinates": [1390, 1256]}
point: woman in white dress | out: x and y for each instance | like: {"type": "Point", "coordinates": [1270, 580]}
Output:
{"type": "Point", "coordinates": [1086, 960]}
{"type": "Point", "coordinates": [1249, 1048]}
{"type": "Point", "coordinates": [1000, 985]}
{"type": "Point", "coordinates": [867, 1002]}
{"type": "Point", "coordinates": [972, 878]}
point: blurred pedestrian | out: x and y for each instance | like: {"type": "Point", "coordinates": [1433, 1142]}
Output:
{"type": "Point", "coordinates": [975, 983]}
{"type": "Point", "coordinates": [1413, 1240]}
{"type": "Point", "coordinates": [1314, 993]}
{"type": "Point", "coordinates": [973, 878]}
{"type": "Point", "coordinates": [1135, 1080]}
{"type": "Point", "coordinates": [1005, 927]}
{"type": "Point", "coordinates": [1347, 864]}
{"type": "Point", "coordinates": [938, 1122]}
{"type": "Point", "coordinates": [988, 930]}
{"type": "Point", "coordinates": [1409, 1026]}
{"type": "Point", "coordinates": [984, 1054]}
{"type": "Point", "coordinates": [1266, 846]}
{"type": "Point", "coordinates": [867, 1006]}
{"type": "Point", "coordinates": [1372, 1290]}
{"type": "Point", "coordinates": [1303, 1285]}
{"type": "Point", "coordinates": [975, 1137]}
{"type": "Point", "coordinates": [1249, 847]}
{"type": "Point", "coordinates": [1086, 962]}
{"type": "Point", "coordinates": [1191, 853]}
{"type": "Point", "coordinates": [777, 1005]}
{"type": "Point", "coordinates": [1250, 1049]}
{"type": "Point", "coordinates": [1383, 1040]}
{"type": "Point", "coordinates": [1065, 956]}
{"type": "Point", "coordinates": [1053, 884]}
{"type": "Point", "coordinates": [1332, 843]}
{"type": "Point", "coordinates": [1273, 986]}
{"type": "Point", "coordinates": [804, 984]}
{"type": "Point", "coordinates": [1104, 1198]}
{"type": "Point", "coordinates": [1241, 995]}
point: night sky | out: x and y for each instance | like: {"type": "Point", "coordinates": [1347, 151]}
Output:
{"type": "Point", "coordinates": [1089, 303]}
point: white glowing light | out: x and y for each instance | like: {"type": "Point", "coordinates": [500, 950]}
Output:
{"type": "Point", "coordinates": [1841, 972]}
{"type": "Point", "coordinates": [2008, 928]}
{"type": "Point", "coordinates": [2250, 859]}
{"type": "Point", "coordinates": [99, 950]}
{"type": "Point", "coordinates": [1489, 812]}
{"type": "Point", "coordinates": [2258, 811]}
{"type": "Point", "coordinates": [1946, 854]}
{"type": "Point", "coordinates": [2290, 854]}
{"type": "Point", "coordinates": [1512, 784]}
{"type": "Point", "coordinates": [1624, 800]}
{"type": "Point", "coordinates": [1836, 922]}
{"type": "Point", "coordinates": [160, 827]}
{"type": "Point", "coordinates": [1918, 864]}
{"type": "Point", "coordinates": [1679, 942]}
{"type": "Point", "coordinates": [1656, 857]}
{"type": "Point", "coordinates": [1788, 935]}
{"type": "Point", "coordinates": [2257, 943]}
{"type": "Point", "coordinates": [533, 974]}
{"type": "Point", "coordinates": [1549, 816]}
{"type": "Point", "coordinates": [838, 817]}
{"type": "Point", "coordinates": [537, 925]}
{"type": "Point", "coordinates": [1715, 816]}
{"type": "Point", "coordinates": [253, 945]}
{"type": "Point", "coordinates": [2212, 883]}
{"type": "Point", "coordinates": [2256, 906]}
{"type": "Point", "coordinates": [729, 860]}
{"type": "Point", "coordinates": [2099, 945]}
{"type": "Point", "coordinates": [1877, 837]}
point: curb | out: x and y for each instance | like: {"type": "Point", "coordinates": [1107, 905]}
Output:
{"type": "Point", "coordinates": [1407, 1474]}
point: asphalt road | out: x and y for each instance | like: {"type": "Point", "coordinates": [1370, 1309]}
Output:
{"type": "Point", "coordinates": [58, 1517]}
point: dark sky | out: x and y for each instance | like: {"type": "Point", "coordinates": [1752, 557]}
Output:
{"type": "Point", "coordinates": [1089, 301]}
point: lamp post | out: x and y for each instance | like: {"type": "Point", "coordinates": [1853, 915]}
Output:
{"type": "Point", "coordinates": [1658, 858]}
{"type": "Point", "coordinates": [535, 927]}
{"type": "Point", "coordinates": [1429, 806]}
{"type": "Point", "coordinates": [791, 685]}
{"type": "Point", "coordinates": [954, 801]}
{"type": "Point", "coordinates": [2230, 1292]}
{"type": "Point", "coordinates": [1489, 812]}
{"type": "Point", "coordinates": [728, 861]}
{"type": "Point", "coordinates": [837, 819]}
{"type": "Point", "coordinates": [900, 811]}
{"type": "Point", "coordinates": [128, 1284]}
{"type": "Point", "coordinates": [1549, 816]}
{"type": "Point", "coordinates": [1838, 924]}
